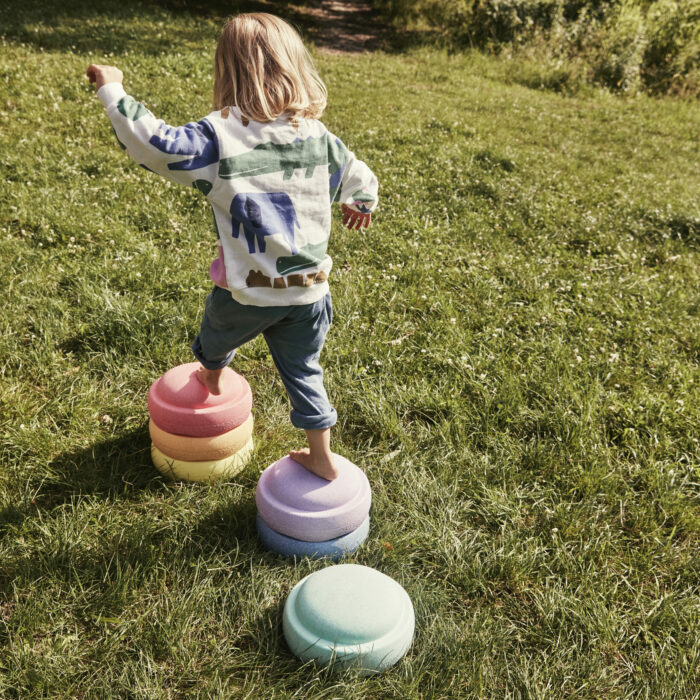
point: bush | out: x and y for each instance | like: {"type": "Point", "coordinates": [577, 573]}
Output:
{"type": "Point", "coordinates": [491, 22]}
{"type": "Point", "coordinates": [627, 45]}
{"type": "Point", "coordinates": [618, 48]}
{"type": "Point", "coordinates": [503, 21]}
{"type": "Point", "coordinates": [671, 61]}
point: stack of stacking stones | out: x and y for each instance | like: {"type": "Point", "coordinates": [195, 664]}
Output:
{"type": "Point", "coordinates": [303, 515]}
{"type": "Point", "coordinates": [197, 436]}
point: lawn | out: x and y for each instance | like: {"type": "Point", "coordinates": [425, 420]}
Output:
{"type": "Point", "coordinates": [514, 362]}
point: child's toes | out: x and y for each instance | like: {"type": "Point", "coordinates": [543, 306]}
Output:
{"type": "Point", "coordinates": [321, 467]}
{"type": "Point", "coordinates": [201, 376]}
{"type": "Point", "coordinates": [302, 456]}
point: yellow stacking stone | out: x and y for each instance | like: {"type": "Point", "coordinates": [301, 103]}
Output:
{"type": "Point", "coordinates": [209, 470]}
{"type": "Point", "coordinates": [201, 449]}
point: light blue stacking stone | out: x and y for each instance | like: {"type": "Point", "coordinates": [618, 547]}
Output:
{"type": "Point", "coordinates": [331, 549]}
{"type": "Point", "coordinates": [351, 616]}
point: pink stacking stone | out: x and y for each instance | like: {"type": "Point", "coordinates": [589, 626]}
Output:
{"type": "Point", "coordinates": [180, 404]}
{"type": "Point", "coordinates": [299, 504]}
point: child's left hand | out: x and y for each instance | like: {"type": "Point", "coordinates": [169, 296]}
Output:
{"type": "Point", "coordinates": [355, 219]}
{"type": "Point", "coordinates": [101, 75]}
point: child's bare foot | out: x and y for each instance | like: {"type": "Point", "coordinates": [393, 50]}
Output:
{"type": "Point", "coordinates": [211, 378]}
{"type": "Point", "coordinates": [321, 465]}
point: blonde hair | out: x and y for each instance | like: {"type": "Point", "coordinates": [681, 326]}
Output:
{"type": "Point", "coordinates": [262, 67]}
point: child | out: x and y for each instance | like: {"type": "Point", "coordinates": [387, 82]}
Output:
{"type": "Point", "coordinates": [270, 171]}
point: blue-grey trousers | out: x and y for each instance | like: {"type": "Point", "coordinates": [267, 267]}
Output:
{"type": "Point", "coordinates": [294, 335]}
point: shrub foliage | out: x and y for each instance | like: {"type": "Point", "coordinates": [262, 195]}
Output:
{"type": "Point", "coordinates": [626, 45]}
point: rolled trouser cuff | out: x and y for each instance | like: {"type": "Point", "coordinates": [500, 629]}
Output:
{"type": "Point", "coordinates": [208, 364]}
{"type": "Point", "coordinates": [327, 420]}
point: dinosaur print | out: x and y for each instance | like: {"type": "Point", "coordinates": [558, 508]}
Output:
{"type": "Point", "coordinates": [337, 158]}
{"type": "Point", "coordinates": [204, 186]}
{"type": "Point", "coordinates": [335, 182]}
{"type": "Point", "coordinates": [272, 157]}
{"type": "Point", "coordinates": [197, 140]}
{"type": "Point", "coordinates": [262, 214]}
{"type": "Point", "coordinates": [308, 256]}
{"type": "Point", "coordinates": [131, 109]}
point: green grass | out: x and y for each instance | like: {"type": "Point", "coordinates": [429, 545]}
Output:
{"type": "Point", "coordinates": [514, 361]}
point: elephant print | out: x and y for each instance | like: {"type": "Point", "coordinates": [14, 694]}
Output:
{"type": "Point", "coordinates": [262, 214]}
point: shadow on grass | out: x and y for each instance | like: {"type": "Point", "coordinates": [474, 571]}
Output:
{"type": "Point", "coordinates": [229, 527]}
{"type": "Point", "coordinates": [263, 635]}
{"type": "Point", "coordinates": [110, 469]}
{"type": "Point", "coordinates": [658, 226]}
{"type": "Point", "coordinates": [116, 471]}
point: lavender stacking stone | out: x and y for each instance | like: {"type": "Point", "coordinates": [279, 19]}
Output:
{"type": "Point", "coordinates": [299, 504]}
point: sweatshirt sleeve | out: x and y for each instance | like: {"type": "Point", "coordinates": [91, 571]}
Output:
{"type": "Point", "coordinates": [186, 154]}
{"type": "Point", "coordinates": [351, 181]}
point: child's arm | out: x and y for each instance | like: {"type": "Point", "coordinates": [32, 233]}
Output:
{"type": "Point", "coordinates": [188, 154]}
{"type": "Point", "coordinates": [352, 184]}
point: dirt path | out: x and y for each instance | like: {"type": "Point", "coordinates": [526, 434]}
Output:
{"type": "Point", "coordinates": [344, 27]}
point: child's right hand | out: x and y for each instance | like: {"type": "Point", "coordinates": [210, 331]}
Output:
{"type": "Point", "coordinates": [355, 219]}
{"type": "Point", "coordinates": [101, 75]}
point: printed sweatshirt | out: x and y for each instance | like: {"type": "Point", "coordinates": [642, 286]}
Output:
{"type": "Point", "coordinates": [270, 186]}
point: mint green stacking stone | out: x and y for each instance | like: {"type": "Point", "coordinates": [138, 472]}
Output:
{"type": "Point", "coordinates": [350, 616]}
